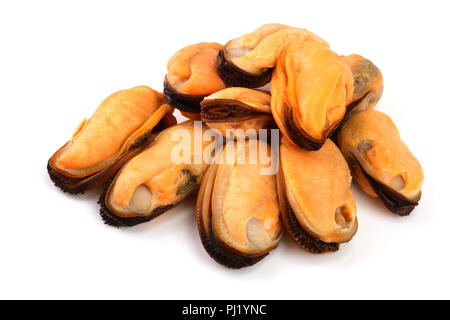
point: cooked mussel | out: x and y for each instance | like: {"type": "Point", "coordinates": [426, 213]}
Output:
{"type": "Point", "coordinates": [237, 208]}
{"type": "Point", "coordinates": [248, 61]}
{"type": "Point", "coordinates": [154, 181]}
{"type": "Point", "coordinates": [120, 127]}
{"type": "Point", "coordinates": [311, 88]}
{"type": "Point", "coordinates": [237, 111]}
{"type": "Point", "coordinates": [380, 161]}
{"type": "Point", "coordinates": [367, 82]}
{"type": "Point", "coordinates": [317, 205]}
{"type": "Point", "coordinates": [192, 75]}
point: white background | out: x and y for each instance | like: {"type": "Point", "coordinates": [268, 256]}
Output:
{"type": "Point", "coordinates": [60, 59]}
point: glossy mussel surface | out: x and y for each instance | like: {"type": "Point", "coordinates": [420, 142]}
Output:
{"type": "Point", "coordinates": [124, 123]}
{"type": "Point", "coordinates": [248, 61]}
{"type": "Point", "coordinates": [156, 179]}
{"type": "Point", "coordinates": [251, 182]}
{"type": "Point", "coordinates": [192, 75]}
{"type": "Point", "coordinates": [311, 88]}
{"type": "Point", "coordinates": [317, 205]}
{"type": "Point", "coordinates": [380, 161]}
{"type": "Point", "coordinates": [367, 83]}
{"type": "Point", "coordinates": [237, 208]}
{"type": "Point", "coordinates": [237, 111]}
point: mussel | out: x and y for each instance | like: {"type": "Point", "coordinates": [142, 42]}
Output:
{"type": "Point", "coordinates": [120, 127]}
{"type": "Point", "coordinates": [380, 161]}
{"type": "Point", "coordinates": [311, 88]}
{"type": "Point", "coordinates": [367, 82]}
{"type": "Point", "coordinates": [237, 207]}
{"type": "Point", "coordinates": [248, 61]}
{"type": "Point", "coordinates": [154, 180]}
{"type": "Point", "coordinates": [192, 75]}
{"type": "Point", "coordinates": [237, 111]}
{"type": "Point", "coordinates": [317, 205]}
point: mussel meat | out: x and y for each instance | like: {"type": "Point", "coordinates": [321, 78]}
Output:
{"type": "Point", "coordinates": [311, 88]}
{"type": "Point", "coordinates": [367, 83]}
{"type": "Point", "coordinates": [153, 181]}
{"type": "Point", "coordinates": [317, 205]}
{"type": "Point", "coordinates": [380, 161]}
{"type": "Point", "coordinates": [237, 208]}
{"type": "Point", "coordinates": [192, 75]}
{"type": "Point", "coordinates": [237, 111]}
{"type": "Point", "coordinates": [248, 61]}
{"type": "Point", "coordinates": [121, 126]}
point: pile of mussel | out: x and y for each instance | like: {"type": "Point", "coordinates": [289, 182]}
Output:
{"type": "Point", "coordinates": [279, 78]}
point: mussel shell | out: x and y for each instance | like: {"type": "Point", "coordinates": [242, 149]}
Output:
{"type": "Point", "coordinates": [235, 118]}
{"type": "Point", "coordinates": [223, 254]}
{"type": "Point", "coordinates": [79, 185]}
{"type": "Point", "coordinates": [353, 106]}
{"type": "Point", "coordinates": [244, 128]}
{"type": "Point", "coordinates": [303, 238]}
{"type": "Point", "coordinates": [365, 74]}
{"type": "Point", "coordinates": [295, 230]}
{"type": "Point", "coordinates": [299, 105]}
{"type": "Point", "coordinates": [368, 100]}
{"type": "Point", "coordinates": [169, 182]}
{"type": "Point", "coordinates": [393, 200]}
{"type": "Point", "coordinates": [216, 248]}
{"type": "Point", "coordinates": [233, 76]}
{"type": "Point", "coordinates": [377, 156]}
{"type": "Point", "coordinates": [300, 137]}
{"type": "Point", "coordinates": [310, 212]}
{"type": "Point", "coordinates": [111, 219]}
{"type": "Point", "coordinates": [237, 208]}
{"type": "Point", "coordinates": [225, 110]}
{"type": "Point", "coordinates": [366, 95]}
{"type": "Point", "coordinates": [368, 84]}
{"type": "Point", "coordinates": [185, 102]}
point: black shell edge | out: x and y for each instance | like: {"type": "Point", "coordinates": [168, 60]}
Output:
{"type": "Point", "coordinates": [109, 218]}
{"type": "Point", "coordinates": [235, 77]}
{"type": "Point", "coordinates": [301, 138]}
{"type": "Point", "coordinates": [392, 200]}
{"type": "Point", "coordinates": [304, 239]}
{"type": "Point", "coordinates": [183, 102]}
{"type": "Point", "coordinates": [219, 252]}
{"type": "Point", "coordinates": [67, 185]}
{"type": "Point", "coordinates": [81, 185]}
